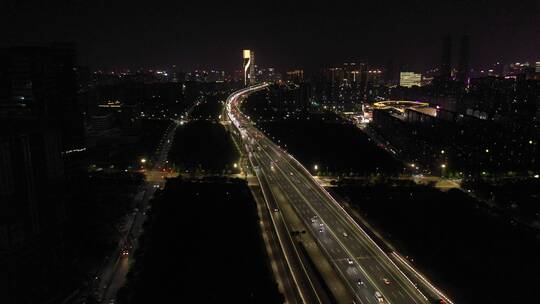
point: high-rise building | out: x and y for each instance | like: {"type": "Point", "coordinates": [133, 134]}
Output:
{"type": "Point", "coordinates": [33, 209]}
{"type": "Point", "coordinates": [335, 75]}
{"type": "Point", "coordinates": [350, 72]}
{"type": "Point", "coordinates": [390, 73]}
{"type": "Point", "coordinates": [296, 76]}
{"type": "Point", "coordinates": [41, 83]}
{"type": "Point", "coordinates": [39, 119]}
{"type": "Point", "coordinates": [37, 101]}
{"type": "Point", "coordinates": [463, 65]}
{"type": "Point", "coordinates": [537, 67]}
{"type": "Point", "coordinates": [252, 69]}
{"type": "Point", "coordinates": [410, 79]}
{"type": "Point", "coordinates": [249, 67]}
{"type": "Point", "coordinates": [374, 76]}
{"type": "Point", "coordinates": [246, 65]}
{"type": "Point", "coordinates": [446, 58]}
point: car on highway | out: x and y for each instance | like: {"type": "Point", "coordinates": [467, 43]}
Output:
{"type": "Point", "coordinates": [379, 297]}
{"type": "Point", "coordinates": [350, 261]}
{"type": "Point", "coordinates": [345, 234]}
{"type": "Point", "coordinates": [386, 281]}
{"type": "Point", "coordinates": [360, 283]}
{"type": "Point", "coordinates": [321, 230]}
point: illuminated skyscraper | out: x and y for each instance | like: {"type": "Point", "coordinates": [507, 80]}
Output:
{"type": "Point", "coordinates": [249, 67]}
{"type": "Point", "coordinates": [252, 76]}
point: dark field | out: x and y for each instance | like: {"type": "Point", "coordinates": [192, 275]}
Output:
{"type": "Point", "coordinates": [201, 245]}
{"type": "Point", "coordinates": [126, 151]}
{"type": "Point", "coordinates": [516, 198]}
{"type": "Point", "coordinates": [475, 257]}
{"type": "Point", "coordinates": [203, 146]}
{"type": "Point", "coordinates": [209, 109]}
{"type": "Point", "coordinates": [323, 139]}
{"type": "Point", "coordinates": [337, 148]}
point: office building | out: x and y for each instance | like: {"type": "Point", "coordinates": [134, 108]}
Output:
{"type": "Point", "coordinates": [335, 75]}
{"type": "Point", "coordinates": [252, 69]}
{"type": "Point", "coordinates": [296, 76]}
{"type": "Point", "coordinates": [410, 79]}
{"type": "Point", "coordinates": [374, 76]}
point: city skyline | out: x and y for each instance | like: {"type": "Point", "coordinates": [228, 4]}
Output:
{"type": "Point", "coordinates": [269, 152]}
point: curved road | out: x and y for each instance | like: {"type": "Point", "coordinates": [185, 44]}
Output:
{"type": "Point", "coordinates": [364, 267]}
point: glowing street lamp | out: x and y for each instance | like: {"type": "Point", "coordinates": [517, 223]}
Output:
{"type": "Point", "coordinates": [143, 160]}
{"type": "Point", "coordinates": [443, 166]}
{"type": "Point", "coordinates": [235, 165]}
{"type": "Point", "coordinates": [316, 167]}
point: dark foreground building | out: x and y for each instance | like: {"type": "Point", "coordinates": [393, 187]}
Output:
{"type": "Point", "coordinates": [38, 120]}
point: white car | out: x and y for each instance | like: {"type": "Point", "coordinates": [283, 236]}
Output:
{"type": "Point", "coordinates": [350, 261]}
{"type": "Point", "coordinates": [345, 234]}
{"type": "Point", "coordinates": [379, 297]}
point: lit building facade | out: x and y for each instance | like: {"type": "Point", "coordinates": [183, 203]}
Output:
{"type": "Point", "coordinates": [296, 76]}
{"type": "Point", "coordinates": [410, 79]}
{"type": "Point", "coordinates": [249, 67]}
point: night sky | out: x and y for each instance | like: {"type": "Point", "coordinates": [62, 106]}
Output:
{"type": "Point", "coordinates": [211, 34]}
